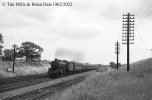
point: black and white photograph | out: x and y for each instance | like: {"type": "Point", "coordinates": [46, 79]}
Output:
{"type": "Point", "coordinates": [75, 49]}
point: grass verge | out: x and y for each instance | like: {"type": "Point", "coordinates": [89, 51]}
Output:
{"type": "Point", "coordinates": [117, 85]}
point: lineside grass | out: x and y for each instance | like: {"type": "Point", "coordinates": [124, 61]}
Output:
{"type": "Point", "coordinates": [22, 69]}
{"type": "Point", "coordinates": [116, 85]}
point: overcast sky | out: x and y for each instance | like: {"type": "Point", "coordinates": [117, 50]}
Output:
{"type": "Point", "coordinates": [86, 31]}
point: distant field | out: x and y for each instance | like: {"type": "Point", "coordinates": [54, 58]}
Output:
{"type": "Point", "coordinates": [22, 68]}
{"type": "Point", "coordinates": [116, 85]}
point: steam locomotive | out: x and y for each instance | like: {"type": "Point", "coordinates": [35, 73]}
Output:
{"type": "Point", "coordinates": [62, 67]}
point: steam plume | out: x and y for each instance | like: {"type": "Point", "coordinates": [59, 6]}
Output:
{"type": "Point", "coordinates": [71, 55]}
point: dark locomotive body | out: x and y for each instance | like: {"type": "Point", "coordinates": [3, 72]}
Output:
{"type": "Point", "coordinates": [62, 67]}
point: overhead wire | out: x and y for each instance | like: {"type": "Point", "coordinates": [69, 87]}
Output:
{"type": "Point", "coordinates": [146, 14]}
{"type": "Point", "coordinates": [141, 8]}
{"type": "Point", "coordinates": [137, 7]}
{"type": "Point", "coordinates": [148, 49]}
{"type": "Point", "coordinates": [137, 12]}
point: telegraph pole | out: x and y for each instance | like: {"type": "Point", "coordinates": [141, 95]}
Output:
{"type": "Point", "coordinates": [14, 55]}
{"type": "Point", "coordinates": [128, 33]}
{"type": "Point", "coordinates": [117, 52]}
{"type": "Point", "coordinates": [1, 41]}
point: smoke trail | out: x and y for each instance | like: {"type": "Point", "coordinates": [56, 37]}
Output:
{"type": "Point", "coordinates": [70, 55]}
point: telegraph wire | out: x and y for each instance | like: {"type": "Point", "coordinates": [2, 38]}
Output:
{"type": "Point", "coordinates": [137, 7]}
{"type": "Point", "coordinates": [141, 8]}
{"type": "Point", "coordinates": [148, 50]}
{"type": "Point", "coordinates": [146, 14]}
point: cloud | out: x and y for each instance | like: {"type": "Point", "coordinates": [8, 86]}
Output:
{"type": "Point", "coordinates": [37, 13]}
{"type": "Point", "coordinates": [10, 20]}
{"type": "Point", "coordinates": [16, 20]}
{"type": "Point", "coordinates": [113, 9]}
{"type": "Point", "coordinates": [76, 32]}
{"type": "Point", "coordinates": [111, 12]}
{"type": "Point", "coordinates": [90, 26]}
{"type": "Point", "coordinates": [23, 17]}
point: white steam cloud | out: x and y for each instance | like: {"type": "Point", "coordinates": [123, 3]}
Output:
{"type": "Point", "coordinates": [70, 55]}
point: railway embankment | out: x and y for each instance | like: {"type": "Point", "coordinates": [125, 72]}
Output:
{"type": "Point", "coordinates": [22, 68]}
{"type": "Point", "coordinates": [114, 85]}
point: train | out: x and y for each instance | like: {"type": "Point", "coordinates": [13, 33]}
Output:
{"type": "Point", "coordinates": [64, 67]}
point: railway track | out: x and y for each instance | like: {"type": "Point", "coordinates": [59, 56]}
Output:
{"type": "Point", "coordinates": [8, 87]}
{"type": "Point", "coordinates": [4, 81]}
{"type": "Point", "coordinates": [43, 86]}
{"type": "Point", "coordinates": [9, 84]}
{"type": "Point", "coordinates": [40, 93]}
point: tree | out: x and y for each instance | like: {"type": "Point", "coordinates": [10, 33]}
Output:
{"type": "Point", "coordinates": [8, 54]}
{"type": "Point", "coordinates": [30, 50]}
{"type": "Point", "coordinates": [119, 64]}
{"type": "Point", "coordinates": [1, 38]}
{"type": "Point", "coordinates": [112, 64]}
